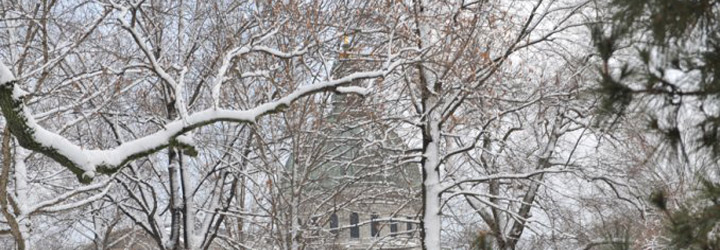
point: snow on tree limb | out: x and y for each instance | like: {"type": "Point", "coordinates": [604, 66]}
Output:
{"type": "Point", "coordinates": [85, 163]}
{"type": "Point", "coordinates": [353, 90]}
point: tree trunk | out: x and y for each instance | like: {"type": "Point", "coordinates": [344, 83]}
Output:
{"type": "Point", "coordinates": [189, 205]}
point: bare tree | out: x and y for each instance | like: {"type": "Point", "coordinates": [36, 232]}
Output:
{"type": "Point", "coordinates": [469, 71]}
{"type": "Point", "coordinates": [249, 125]}
{"type": "Point", "coordinates": [141, 77]}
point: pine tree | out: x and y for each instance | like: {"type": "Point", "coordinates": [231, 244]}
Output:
{"type": "Point", "coordinates": [696, 224]}
{"type": "Point", "coordinates": [675, 57]}
{"type": "Point", "coordinates": [664, 55]}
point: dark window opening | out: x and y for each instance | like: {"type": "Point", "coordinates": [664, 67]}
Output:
{"type": "Point", "coordinates": [355, 229]}
{"type": "Point", "coordinates": [374, 226]}
{"type": "Point", "coordinates": [409, 226]}
{"type": "Point", "coordinates": [334, 223]}
{"type": "Point", "coordinates": [393, 228]}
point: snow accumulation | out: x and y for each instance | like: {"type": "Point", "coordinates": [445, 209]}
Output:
{"type": "Point", "coordinates": [186, 140]}
{"type": "Point", "coordinates": [5, 74]}
{"type": "Point", "coordinates": [353, 89]}
{"type": "Point", "coordinates": [673, 75]}
{"type": "Point", "coordinates": [90, 160]}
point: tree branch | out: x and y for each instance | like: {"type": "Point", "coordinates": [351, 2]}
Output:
{"type": "Point", "coordinates": [86, 163]}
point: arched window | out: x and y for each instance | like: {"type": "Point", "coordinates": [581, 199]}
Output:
{"type": "Point", "coordinates": [334, 223]}
{"type": "Point", "coordinates": [355, 229]}
{"type": "Point", "coordinates": [374, 226]}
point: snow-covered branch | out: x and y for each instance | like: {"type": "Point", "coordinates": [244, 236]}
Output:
{"type": "Point", "coordinates": [85, 163]}
{"type": "Point", "coordinates": [504, 176]}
